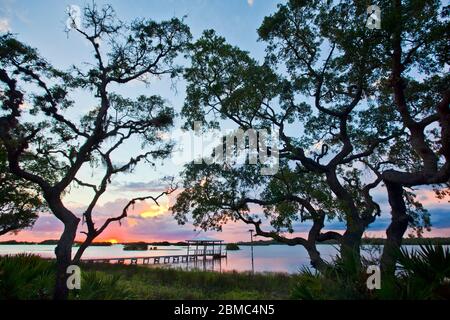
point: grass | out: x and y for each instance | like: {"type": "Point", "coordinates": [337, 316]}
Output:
{"type": "Point", "coordinates": [26, 277]}
{"type": "Point", "coordinates": [29, 277]}
{"type": "Point", "coordinates": [423, 274]}
{"type": "Point", "coordinates": [162, 283]}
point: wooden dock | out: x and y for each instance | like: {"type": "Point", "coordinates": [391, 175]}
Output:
{"type": "Point", "coordinates": [157, 259]}
{"type": "Point", "coordinates": [197, 249]}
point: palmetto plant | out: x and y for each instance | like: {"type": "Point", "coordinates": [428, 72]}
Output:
{"type": "Point", "coordinates": [26, 276]}
{"type": "Point", "coordinates": [430, 263]}
{"type": "Point", "coordinates": [427, 271]}
{"type": "Point", "coordinates": [342, 279]}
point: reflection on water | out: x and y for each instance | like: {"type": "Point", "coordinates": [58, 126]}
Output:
{"type": "Point", "coordinates": [271, 258]}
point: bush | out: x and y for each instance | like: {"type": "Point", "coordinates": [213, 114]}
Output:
{"type": "Point", "coordinates": [26, 277]}
{"type": "Point", "coordinates": [139, 246]}
{"type": "Point", "coordinates": [232, 247]}
{"type": "Point", "coordinates": [425, 273]}
{"type": "Point", "coordinates": [100, 286]}
{"type": "Point", "coordinates": [342, 280]}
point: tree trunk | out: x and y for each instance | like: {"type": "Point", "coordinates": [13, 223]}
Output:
{"type": "Point", "coordinates": [81, 249]}
{"type": "Point", "coordinates": [63, 253]}
{"type": "Point", "coordinates": [396, 230]}
{"type": "Point", "coordinates": [351, 240]}
{"type": "Point", "coordinates": [350, 246]}
{"type": "Point", "coordinates": [63, 250]}
{"type": "Point", "coordinates": [316, 260]}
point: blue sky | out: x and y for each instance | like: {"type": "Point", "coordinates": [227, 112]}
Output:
{"type": "Point", "coordinates": [41, 24]}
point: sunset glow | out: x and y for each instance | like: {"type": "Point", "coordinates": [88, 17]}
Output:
{"type": "Point", "coordinates": [154, 211]}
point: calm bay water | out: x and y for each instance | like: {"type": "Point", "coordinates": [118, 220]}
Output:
{"type": "Point", "coordinates": [271, 258]}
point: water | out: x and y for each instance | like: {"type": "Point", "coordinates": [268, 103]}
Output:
{"type": "Point", "coordinates": [271, 258]}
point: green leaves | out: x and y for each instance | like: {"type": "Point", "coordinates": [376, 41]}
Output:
{"type": "Point", "coordinates": [20, 201]}
{"type": "Point", "coordinates": [149, 48]}
{"type": "Point", "coordinates": [41, 128]}
{"type": "Point", "coordinates": [428, 266]}
{"type": "Point", "coordinates": [225, 81]}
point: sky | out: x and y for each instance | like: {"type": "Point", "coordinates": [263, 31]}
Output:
{"type": "Point", "coordinates": [41, 24]}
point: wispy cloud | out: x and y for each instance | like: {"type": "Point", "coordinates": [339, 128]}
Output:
{"type": "Point", "coordinates": [4, 25]}
{"type": "Point", "coordinates": [250, 2]}
{"type": "Point", "coordinates": [152, 186]}
{"type": "Point", "coordinates": [12, 9]}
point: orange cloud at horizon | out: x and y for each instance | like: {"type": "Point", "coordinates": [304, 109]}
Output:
{"type": "Point", "coordinates": [153, 210]}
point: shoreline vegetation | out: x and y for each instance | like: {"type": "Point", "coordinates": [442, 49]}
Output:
{"type": "Point", "coordinates": [232, 247]}
{"type": "Point", "coordinates": [365, 241]}
{"type": "Point", "coordinates": [139, 246]}
{"type": "Point", "coordinates": [30, 277]}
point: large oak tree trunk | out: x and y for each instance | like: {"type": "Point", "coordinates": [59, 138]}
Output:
{"type": "Point", "coordinates": [350, 245]}
{"type": "Point", "coordinates": [63, 250]}
{"type": "Point", "coordinates": [63, 253]}
{"type": "Point", "coordinates": [316, 260]}
{"type": "Point", "coordinates": [396, 230]}
{"type": "Point", "coordinates": [351, 239]}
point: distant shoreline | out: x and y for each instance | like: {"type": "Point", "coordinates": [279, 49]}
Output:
{"type": "Point", "coordinates": [365, 241]}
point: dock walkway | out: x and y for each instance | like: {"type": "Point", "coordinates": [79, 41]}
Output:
{"type": "Point", "coordinates": [157, 259]}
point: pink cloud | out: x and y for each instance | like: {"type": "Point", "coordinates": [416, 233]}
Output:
{"type": "Point", "coordinates": [162, 226]}
{"type": "Point", "coordinates": [428, 199]}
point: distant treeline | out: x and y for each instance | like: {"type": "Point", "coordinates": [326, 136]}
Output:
{"type": "Point", "coordinates": [365, 241]}
{"type": "Point", "coordinates": [410, 241]}
{"type": "Point", "coordinates": [106, 243]}
{"type": "Point", "coordinates": [141, 246]}
{"type": "Point", "coordinates": [52, 242]}
{"type": "Point", "coordinates": [158, 243]}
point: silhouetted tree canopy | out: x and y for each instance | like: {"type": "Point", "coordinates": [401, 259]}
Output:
{"type": "Point", "coordinates": [20, 200]}
{"type": "Point", "coordinates": [143, 50]}
{"type": "Point", "coordinates": [329, 85]}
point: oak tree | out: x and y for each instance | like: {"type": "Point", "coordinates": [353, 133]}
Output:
{"type": "Point", "coordinates": [55, 124]}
